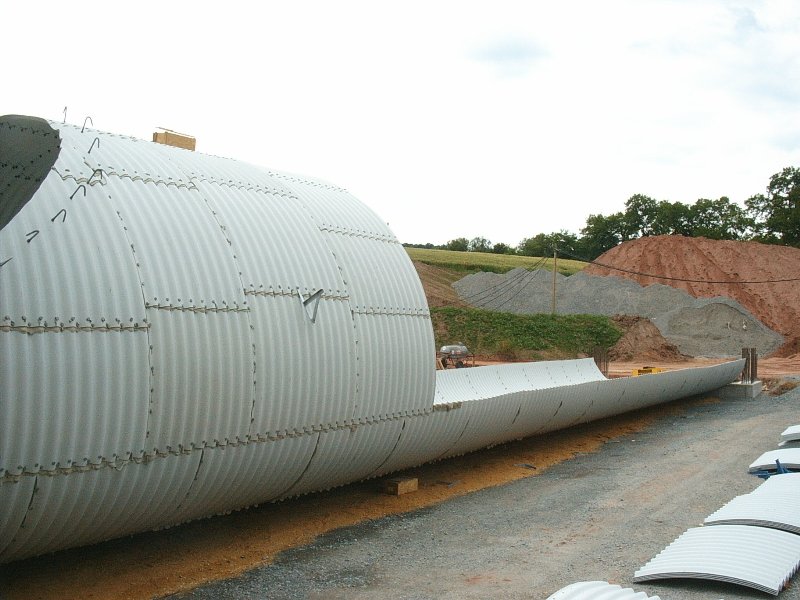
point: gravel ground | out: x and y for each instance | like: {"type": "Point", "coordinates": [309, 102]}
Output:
{"type": "Point", "coordinates": [712, 327]}
{"type": "Point", "coordinates": [599, 516]}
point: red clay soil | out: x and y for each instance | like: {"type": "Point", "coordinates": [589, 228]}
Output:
{"type": "Point", "coordinates": [708, 262]}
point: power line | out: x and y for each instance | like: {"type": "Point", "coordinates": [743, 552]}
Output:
{"type": "Point", "coordinates": [500, 288]}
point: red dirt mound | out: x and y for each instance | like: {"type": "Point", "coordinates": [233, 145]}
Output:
{"type": "Point", "coordinates": [642, 341]}
{"type": "Point", "coordinates": [706, 263]}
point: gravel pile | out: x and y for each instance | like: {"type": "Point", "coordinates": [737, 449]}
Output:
{"type": "Point", "coordinates": [712, 327]}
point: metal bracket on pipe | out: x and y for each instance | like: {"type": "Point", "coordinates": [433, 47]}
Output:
{"type": "Point", "coordinates": [312, 298]}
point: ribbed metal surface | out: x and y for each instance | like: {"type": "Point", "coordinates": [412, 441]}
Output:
{"type": "Point", "coordinates": [791, 433]}
{"type": "Point", "coordinates": [598, 590]}
{"type": "Point", "coordinates": [775, 503]}
{"type": "Point", "coordinates": [757, 557]}
{"type": "Point", "coordinates": [56, 276]}
{"type": "Point", "coordinates": [202, 388]}
{"type": "Point", "coordinates": [164, 354]}
{"type": "Point", "coordinates": [306, 372]}
{"type": "Point", "coordinates": [72, 399]}
{"type": "Point", "coordinates": [346, 455]}
{"type": "Point", "coordinates": [789, 458]}
{"type": "Point", "coordinates": [395, 354]}
{"type": "Point", "coordinates": [101, 504]}
{"type": "Point", "coordinates": [255, 472]}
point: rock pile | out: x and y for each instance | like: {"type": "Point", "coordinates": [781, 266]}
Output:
{"type": "Point", "coordinates": [712, 327]}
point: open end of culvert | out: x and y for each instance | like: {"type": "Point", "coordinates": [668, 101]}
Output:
{"type": "Point", "coordinates": [29, 148]}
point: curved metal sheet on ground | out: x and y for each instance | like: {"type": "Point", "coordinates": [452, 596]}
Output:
{"type": "Point", "coordinates": [791, 433]}
{"type": "Point", "coordinates": [789, 458]}
{"type": "Point", "coordinates": [598, 590]}
{"type": "Point", "coordinates": [757, 557]}
{"type": "Point", "coordinates": [771, 506]}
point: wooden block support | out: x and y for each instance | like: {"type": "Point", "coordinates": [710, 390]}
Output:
{"type": "Point", "coordinates": [400, 485]}
{"type": "Point", "coordinates": [172, 138]}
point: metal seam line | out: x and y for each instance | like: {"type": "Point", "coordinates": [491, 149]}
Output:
{"type": "Point", "coordinates": [185, 450]}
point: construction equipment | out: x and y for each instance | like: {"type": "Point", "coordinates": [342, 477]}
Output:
{"type": "Point", "coordinates": [455, 355]}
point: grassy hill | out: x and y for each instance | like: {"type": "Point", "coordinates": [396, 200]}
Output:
{"type": "Point", "coordinates": [504, 335]}
{"type": "Point", "coordinates": [472, 262]}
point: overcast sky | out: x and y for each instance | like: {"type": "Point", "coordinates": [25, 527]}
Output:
{"type": "Point", "coordinates": [497, 119]}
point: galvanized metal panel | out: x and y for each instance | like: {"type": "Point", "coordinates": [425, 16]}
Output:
{"type": "Point", "coordinates": [183, 256]}
{"type": "Point", "coordinates": [346, 455]}
{"type": "Point", "coordinates": [71, 399]}
{"type": "Point", "coordinates": [756, 557]}
{"type": "Point", "coordinates": [70, 264]}
{"type": "Point", "coordinates": [787, 484]}
{"type": "Point", "coordinates": [305, 372]}
{"type": "Point", "coordinates": [117, 155]}
{"type": "Point", "coordinates": [791, 433]}
{"type": "Point", "coordinates": [598, 590]}
{"type": "Point", "coordinates": [88, 507]}
{"type": "Point", "coordinates": [298, 255]}
{"type": "Point", "coordinates": [769, 506]}
{"type": "Point", "coordinates": [378, 276]}
{"type": "Point", "coordinates": [202, 379]}
{"type": "Point", "coordinates": [233, 477]}
{"type": "Point", "coordinates": [395, 354]}
{"type": "Point", "coordinates": [488, 423]}
{"type": "Point", "coordinates": [15, 497]}
{"type": "Point", "coordinates": [789, 457]}
{"type": "Point", "coordinates": [426, 438]}
{"type": "Point", "coordinates": [334, 208]}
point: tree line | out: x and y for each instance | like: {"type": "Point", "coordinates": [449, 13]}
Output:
{"type": "Point", "coordinates": [771, 218]}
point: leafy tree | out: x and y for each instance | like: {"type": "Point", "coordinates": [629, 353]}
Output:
{"type": "Point", "coordinates": [671, 218]}
{"type": "Point", "coordinates": [600, 234]}
{"type": "Point", "coordinates": [542, 244]}
{"type": "Point", "coordinates": [501, 248]}
{"type": "Point", "coordinates": [460, 244]}
{"type": "Point", "coordinates": [479, 244]}
{"type": "Point", "coordinates": [719, 220]}
{"type": "Point", "coordinates": [776, 215]}
{"type": "Point", "coordinates": [537, 245]}
{"type": "Point", "coordinates": [639, 217]}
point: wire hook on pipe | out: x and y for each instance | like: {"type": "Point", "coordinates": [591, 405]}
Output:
{"type": "Point", "coordinates": [97, 139]}
{"type": "Point", "coordinates": [84, 123]}
{"type": "Point", "coordinates": [81, 186]}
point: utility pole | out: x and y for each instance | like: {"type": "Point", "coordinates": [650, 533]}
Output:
{"type": "Point", "coordinates": [555, 264]}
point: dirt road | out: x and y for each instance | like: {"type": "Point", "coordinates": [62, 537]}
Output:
{"type": "Point", "coordinates": [600, 515]}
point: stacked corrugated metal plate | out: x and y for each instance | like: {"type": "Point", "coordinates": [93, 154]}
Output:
{"type": "Point", "coordinates": [757, 557]}
{"type": "Point", "coordinates": [598, 590]}
{"type": "Point", "coordinates": [788, 457]}
{"type": "Point", "coordinates": [775, 503]}
{"type": "Point", "coordinates": [790, 434]}
{"type": "Point", "coordinates": [183, 335]}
